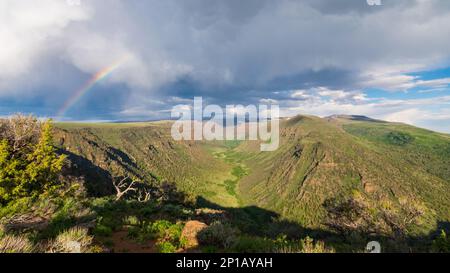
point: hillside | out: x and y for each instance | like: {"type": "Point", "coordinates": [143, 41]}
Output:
{"type": "Point", "coordinates": [144, 152]}
{"type": "Point", "coordinates": [129, 187]}
{"type": "Point", "coordinates": [392, 170]}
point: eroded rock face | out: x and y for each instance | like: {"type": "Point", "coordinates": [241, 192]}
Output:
{"type": "Point", "coordinates": [190, 233]}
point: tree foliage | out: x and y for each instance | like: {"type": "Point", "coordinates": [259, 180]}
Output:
{"type": "Point", "coordinates": [29, 164]}
{"type": "Point", "coordinates": [442, 243]}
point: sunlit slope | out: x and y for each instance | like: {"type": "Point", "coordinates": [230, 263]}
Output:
{"type": "Point", "coordinates": [427, 150]}
{"type": "Point", "coordinates": [385, 166]}
{"type": "Point", "coordinates": [339, 158]}
{"type": "Point", "coordinates": [146, 151]}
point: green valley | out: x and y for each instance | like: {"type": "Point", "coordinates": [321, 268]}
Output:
{"type": "Point", "coordinates": [342, 180]}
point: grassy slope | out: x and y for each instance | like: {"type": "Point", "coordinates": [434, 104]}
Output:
{"type": "Point", "coordinates": [423, 148]}
{"type": "Point", "coordinates": [147, 152]}
{"type": "Point", "coordinates": [318, 160]}
{"type": "Point", "coordinates": [386, 164]}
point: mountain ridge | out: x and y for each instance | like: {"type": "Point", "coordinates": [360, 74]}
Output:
{"type": "Point", "coordinates": [379, 163]}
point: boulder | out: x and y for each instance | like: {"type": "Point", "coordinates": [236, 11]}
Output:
{"type": "Point", "coordinates": [191, 231]}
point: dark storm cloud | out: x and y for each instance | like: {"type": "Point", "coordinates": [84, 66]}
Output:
{"type": "Point", "coordinates": [356, 6]}
{"type": "Point", "coordinates": [227, 51]}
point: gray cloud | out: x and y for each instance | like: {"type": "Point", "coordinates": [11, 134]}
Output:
{"type": "Point", "coordinates": [228, 51]}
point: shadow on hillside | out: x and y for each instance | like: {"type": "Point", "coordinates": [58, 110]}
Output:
{"type": "Point", "coordinates": [123, 157]}
{"type": "Point", "coordinates": [257, 221]}
{"type": "Point", "coordinates": [254, 220]}
{"type": "Point", "coordinates": [97, 180]}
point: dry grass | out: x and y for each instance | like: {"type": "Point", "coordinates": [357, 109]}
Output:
{"type": "Point", "coordinates": [74, 240]}
{"type": "Point", "coordinates": [15, 244]}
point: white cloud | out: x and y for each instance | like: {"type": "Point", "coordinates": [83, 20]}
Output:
{"type": "Point", "coordinates": [27, 29]}
{"type": "Point", "coordinates": [402, 82]}
{"type": "Point", "coordinates": [410, 116]}
{"type": "Point", "coordinates": [268, 101]}
{"type": "Point", "coordinates": [300, 94]}
{"type": "Point", "coordinates": [229, 44]}
{"type": "Point", "coordinates": [430, 113]}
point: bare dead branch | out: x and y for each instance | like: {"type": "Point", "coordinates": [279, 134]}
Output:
{"type": "Point", "coordinates": [120, 185]}
{"type": "Point", "coordinates": [144, 196]}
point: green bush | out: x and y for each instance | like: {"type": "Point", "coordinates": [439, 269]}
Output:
{"type": "Point", "coordinates": [398, 138]}
{"type": "Point", "coordinates": [60, 222]}
{"type": "Point", "coordinates": [220, 235]}
{"type": "Point", "coordinates": [131, 221]}
{"type": "Point", "coordinates": [167, 234]}
{"type": "Point", "coordinates": [209, 249]}
{"type": "Point", "coordinates": [165, 230]}
{"type": "Point", "coordinates": [309, 246]}
{"type": "Point", "coordinates": [252, 244]}
{"type": "Point", "coordinates": [174, 210]}
{"type": "Point", "coordinates": [28, 169]}
{"type": "Point", "coordinates": [18, 206]}
{"type": "Point", "coordinates": [173, 233]}
{"type": "Point", "coordinates": [134, 232]}
{"type": "Point", "coordinates": [102, 230]}
{"type": "Point", "coordinates": [114, 223]}
{"type": "Point", "coordinates": [158, 228]}
{"type": "Point", "coordinates": [165, 247]}
{"type": "Point", "coordinates": [442, 243]}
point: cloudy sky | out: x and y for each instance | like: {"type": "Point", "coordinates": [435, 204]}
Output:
{"type": "Point", "coordinates": [314, 56]}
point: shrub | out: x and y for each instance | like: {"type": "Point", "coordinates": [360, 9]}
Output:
{"type": "Point", "coordinates": [398, 138]}
{"type": "Point", "coordinates": [131, 221]}
{"type": "Point", "coordinates": [114, 223]}
{"type": "Point", "coordinates": [209, 249]}
{"type": "Point", "coordinates": [17, 207]}
{"type": "Point", "coordinates": [20, 131]}
{"type": "Point", "coordinates": [159, 226]}
{"type": "Point", "coordinates": [173, 233]}
{"type": "Point", "coordinates": [59, 223]}
{"type": "Point", "coordinates": [148, 210]}
{"type": "Point", "coordinates": [218, 234]}
{"type": "Point", "coordinates": [134, 232]}
{"type": "Point", "coordinates": [442, 243]}
{"type": "Point", "coordinates": [308, 246]}
{"type": "Point", "coordinates": [165, 247]}
{"type": "Point", "coordinates": [74, 240]}
{"type": "Point", "coordinates": [15, 244]}
{"type": "Point", "coordinates": [102, 230]}
{"type": "Point", "coordinates": [163, 230]}
{"type": "Point", "coordinates": [28, 169]}
{"type": "Point", "coordinates": [251, 244]}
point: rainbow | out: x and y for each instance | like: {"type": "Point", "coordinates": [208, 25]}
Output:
{"type": "Point", "coordinates": [100, 75]}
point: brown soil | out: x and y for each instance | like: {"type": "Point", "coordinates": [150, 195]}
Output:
{"type": "Point", "coordinates": [191, 231]}
{"type": "Point", "coordinates": [123, 244]}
